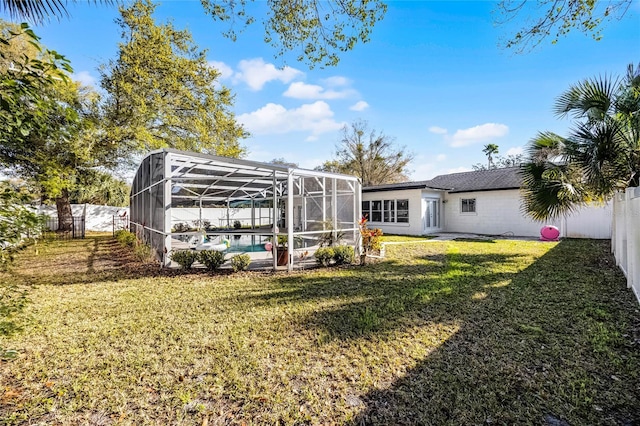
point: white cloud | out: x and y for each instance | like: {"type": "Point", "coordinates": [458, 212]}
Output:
{"type": "Point", "coordinates": [256, 73]}
{"type": "Point", "coordinates": [225, 70]}
{"type": "Point", "coordinates": [516, 150]}
{"type": "Point", "coordinates": [441, 157]}
{"type": "Point", "coordinates": [359, 106]}
{"type": "Point", "coordinates": [438, 130]}
{"type": "Point", "coordinates": [272, 118]}
{"type": "Point", "coordinates": [300, 90]}
{"type": "Point", "coordinates": [336, 81]}
{"type": "Point", "coordinates": [84, 78]}
{"type": "Point", "coordinates": [477, 134]}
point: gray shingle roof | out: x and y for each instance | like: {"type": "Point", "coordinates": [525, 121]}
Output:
{"type": "Point", "coordinates": [480, 180]}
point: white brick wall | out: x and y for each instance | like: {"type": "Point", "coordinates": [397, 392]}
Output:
{"type": "Point", "coordinates": [497, 213]}
{"type": "Point", "coordinates": [414, 227]}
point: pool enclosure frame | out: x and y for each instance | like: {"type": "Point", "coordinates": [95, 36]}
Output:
{"type": "Point", "coordinates": [321, 206]}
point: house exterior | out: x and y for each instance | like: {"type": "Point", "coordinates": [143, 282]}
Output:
{"type": "Point", "coordinates": [481, 202]}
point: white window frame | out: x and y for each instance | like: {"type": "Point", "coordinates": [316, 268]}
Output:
{"type": "Point", "coordinates": [388, 211]}
{"type": "Point", "coordinates": [475, 206]}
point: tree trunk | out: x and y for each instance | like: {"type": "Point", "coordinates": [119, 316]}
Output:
{"type": "Point", "coordinates": [65, 216]}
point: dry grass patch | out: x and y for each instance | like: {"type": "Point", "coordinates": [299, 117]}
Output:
{"type": "Point", "coordinates": [439, 333]}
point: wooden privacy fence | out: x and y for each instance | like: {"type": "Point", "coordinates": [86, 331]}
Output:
{"type": "Point", "coordinates": [625, 236]}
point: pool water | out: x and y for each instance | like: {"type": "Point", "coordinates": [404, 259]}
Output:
{"type": "Point", "coordinates": [246, 243]}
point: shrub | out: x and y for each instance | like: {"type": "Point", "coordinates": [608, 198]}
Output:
{"type": "Point", "coordinates": [237, 224]}
{"type": "Point", "coordinates": [143, 252]}
{"type": "Point", "coordinates": [184, 258]}
{"type": "Point", "coordinates": [19, 225]}
{"type": "Point", "coordinates": [240, 262]}
{"type": "Point", "coordinates": [343, 255]}
{"type": "Point", "coordinates": [126, 238]}
{"type": "Point", "coordinates": [181, 227]}
{"type": "Point", "coordinates": [324, 255]}
{"type": "Point", "coordinates": [211, 259]}
{"type": "Point", "coordinates": [371, 238]}
{"type": "Point", "coordinates": [203, 224]}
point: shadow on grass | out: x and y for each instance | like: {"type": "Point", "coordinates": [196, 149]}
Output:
{"type": "Point", "coordinates": [551, 347]}
{"type": "Point", "coordinates": [392, 294]}
{"type": "Point", "coordinates": [550, 343]}
{"type": "Point", "coordinates": [94, 259]}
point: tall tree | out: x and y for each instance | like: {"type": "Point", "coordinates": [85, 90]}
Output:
{"type": "Point", "coordinates": [369, 155]}
{"type": "Point", "coordinates": [556, 18]}
{"type": "Point", "coordinates": [600, 156]}
{"type": "Point", "coordinates": [162, 93]}
{"type": "Point", "coordinates": [43, 117]}
{"type": "Point", "coordinates": [316, 31]}
{"type": "Point", "coordinates": [489, 150]}
{"type": "Point", "coordinates": [96, 186]}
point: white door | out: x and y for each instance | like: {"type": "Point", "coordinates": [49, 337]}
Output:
{"type": "Point", "coordinates": [431, 218]}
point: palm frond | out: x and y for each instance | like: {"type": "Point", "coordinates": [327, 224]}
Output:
{"type": "Point", "coordinates": [548, 191]}
{"type": "Point", "coordinates": [591, 99]}
{"type": "Point", "coordinates": [38, 11]}
{"type": "Point", "coordinates": [546, 147]}
{"type": "Point", "coordinates": [600, 156]}
{"type": "Point", "coordinates": [34, 10]}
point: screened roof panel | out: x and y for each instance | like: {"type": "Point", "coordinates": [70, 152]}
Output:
{"type": "Point", "coordinates": [213, 178]}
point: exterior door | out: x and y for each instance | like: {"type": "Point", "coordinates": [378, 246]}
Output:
{"type": "Point", "coordinates": [431, 218]}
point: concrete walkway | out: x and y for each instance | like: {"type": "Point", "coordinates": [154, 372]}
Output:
{"type": "Point", "coordinates": [452, 236]}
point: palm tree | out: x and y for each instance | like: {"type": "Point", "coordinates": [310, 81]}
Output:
{"type": "Point", "coordinates": [38, 10]}
{"type": "Point", "coordinates": [600, 156]}
{"type": "Point", "coordinates": [489, 150]}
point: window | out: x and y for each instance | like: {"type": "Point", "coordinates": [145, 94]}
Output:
{"type": "Point", "coordinates": [468, 205]}
{"type": "Point", "coordinates": [389, 211]}
{"type": "Point", "coordinates": [376, 211]}
{"type": "Point", "coordinates": [365, 210]}
{"type": "Point", "coordinates": [402, 212]}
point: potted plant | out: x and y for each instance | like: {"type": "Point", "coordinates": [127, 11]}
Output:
{"type": "Point", "coordinates": [283, 250]}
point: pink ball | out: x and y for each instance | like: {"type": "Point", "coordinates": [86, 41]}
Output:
{"type": "Point", "coordinates": [268, 246]}
{"type": "Point", "coordinates": [549, 233]}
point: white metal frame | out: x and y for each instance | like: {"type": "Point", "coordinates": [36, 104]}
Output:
{"type": "Point", "coordinates": [201, 177]}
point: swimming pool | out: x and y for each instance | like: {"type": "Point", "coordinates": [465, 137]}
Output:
{"type": "Point", "coordinates": [246, 243]}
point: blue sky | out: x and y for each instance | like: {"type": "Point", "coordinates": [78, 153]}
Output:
{"type": "Point", "coordinates": [433, 77]}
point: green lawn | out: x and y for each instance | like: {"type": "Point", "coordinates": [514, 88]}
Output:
{"type": "Point", "coordinates": [405, 238]}
{"type": "Point", "coordinates": [456, 333]}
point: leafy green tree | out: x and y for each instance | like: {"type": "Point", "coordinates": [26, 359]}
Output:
{"type": "Point", "coordinates": [556, 18]}
{"type": "Point", "coordinates": [489, 150]}
{"type": "Point", "coordinates": [316, 31]}
{"type": "Point", "coordinates": [162, 93]}
{"type": "Point", "coordinates": [40, 118]}
{"type": "Point", "coordinates": [600, 156]}
{"type": "Point", "coordinates": [18, 222]}
{"type": "Point", "coordinates": [96, 186]}
{"type": "Point", "coordinates": [369, 155]}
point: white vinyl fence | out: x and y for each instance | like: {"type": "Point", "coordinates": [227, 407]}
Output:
{"type": "Point", "coordinates": [97, 218]}
{"type": "Point", "coordinates": [625, 240]}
